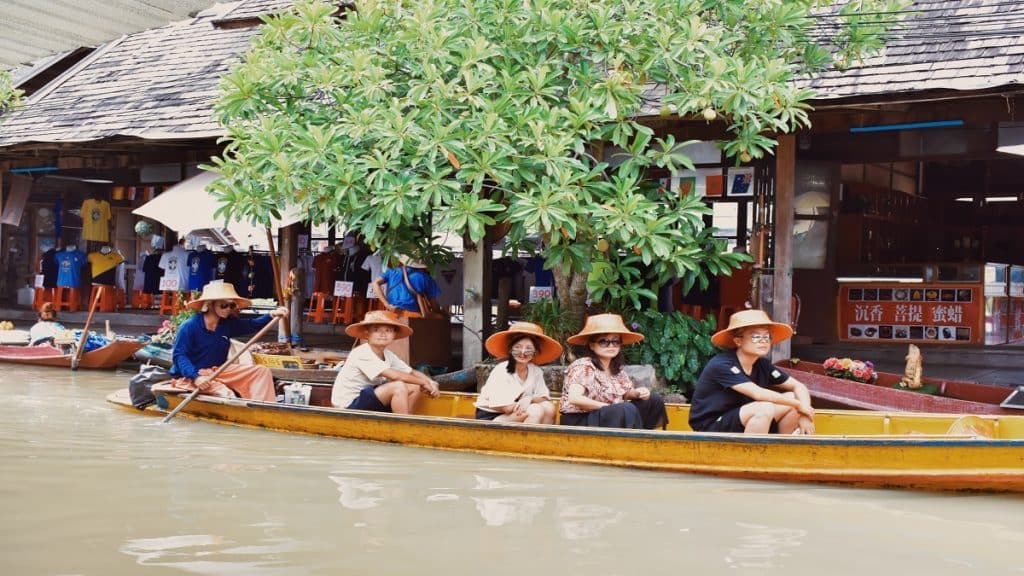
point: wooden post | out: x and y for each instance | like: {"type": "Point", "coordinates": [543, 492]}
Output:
{"type": "Point", "coordinates": [476, 296]}
{"type": "Point", "coordinates": [289, 245]}
{"type": "Point", "coordinates": [782, 285]}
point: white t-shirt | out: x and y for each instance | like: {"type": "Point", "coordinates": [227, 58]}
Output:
{"type": "Point", "coordinates": [176, 262]}
{"type": "Point", "coordinates": [374, 264]}
{"type": "Point", "coordinates": [502, 388]}
{"type": "Point", "coordinates": [362, 369]}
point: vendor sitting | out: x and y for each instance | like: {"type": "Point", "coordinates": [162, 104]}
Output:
{"type": "Point", "coordinates": [741, 391]}
{"type": "Point", "coordinates": [204, 341]}
{"type": "Point", "coordinates": [373, 377]}
{"type": "Point", "coordinates": [46, 329]}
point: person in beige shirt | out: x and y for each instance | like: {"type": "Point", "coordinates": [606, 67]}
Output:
{"type": "Point", "coordinates": [515, 390]}
{"type": "Point", "coordinates": [373, 377]}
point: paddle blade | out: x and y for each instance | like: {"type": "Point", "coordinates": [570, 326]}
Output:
{"type": "Point", "coordinates": [970, 425]}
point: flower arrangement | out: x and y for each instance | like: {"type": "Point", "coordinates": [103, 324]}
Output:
{"type": "Point", "coordinates": [849, 369]}
{"type": "Point", "coordinates": [169, 329]}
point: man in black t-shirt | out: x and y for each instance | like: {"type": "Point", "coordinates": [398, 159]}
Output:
{"type": "Point", "coordinates": [741, 391]}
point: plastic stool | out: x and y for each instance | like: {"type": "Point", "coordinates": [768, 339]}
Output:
{"type": "Point", "coordinates": [108, 301]}
{"type": "Point", "coordinates": [141, 300]}
{"type": "Point", "coordinates": [42, 296]}
{"type": "Point", "coordinates": [169, 303]}
{"type": "Point", "coordinates": [375, 304]}
{"type": "Point", "coordinates": [316, 308]}
{"type": "Point", "coordinates": [343, 310]}
{"type": "Point", "coordinates": [66, 298]}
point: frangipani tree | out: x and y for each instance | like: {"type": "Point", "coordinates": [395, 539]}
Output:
{"type": "Point", "coordinates": [401, 119]}
{"type": "Point", "coordinates": [10, 97]}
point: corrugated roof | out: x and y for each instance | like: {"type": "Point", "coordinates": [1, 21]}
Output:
{"type": "Point", "coordinates": [157, 84]}
{"type": "Point", "coordinates": [939, 45]}
{"type": "Point", "coordinates": [34, 29]}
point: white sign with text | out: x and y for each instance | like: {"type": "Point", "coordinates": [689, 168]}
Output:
{"type": "Point", "coordinates": [169, 283]}
{"type": "Point", "coordinates": [538, 293]}
{"type": "Point", "coordinates": [343, 289]}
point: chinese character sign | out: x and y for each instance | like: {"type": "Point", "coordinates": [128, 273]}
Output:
{"type": "Point", "coordinates": [917, 312]}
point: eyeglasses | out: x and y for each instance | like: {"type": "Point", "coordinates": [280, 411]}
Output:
{"type": "Point", "coordinates": [608, 343]}
{"type": "Point", "coordinates": [760, 338]}
{"type": "Point", "coordinates": [523, 351]}
{"type": "Point", "coordinates": [227, 305]}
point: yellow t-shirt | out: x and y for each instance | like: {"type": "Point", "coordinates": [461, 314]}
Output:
{"type": "Point", "coordinates": [95, 220]}
{"type": "Point", "coordinates": [101, 262]}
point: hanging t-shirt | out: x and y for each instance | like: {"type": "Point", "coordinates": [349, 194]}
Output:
{"type": "Point", "coordinates": [175, 263]}
{"type": "Point", "coordinates": [151, 273]}
{"type": "Point", "coordinates": [48, 268]}
{"type": "Point", "coordinates": [104, 267]}
{"type": "Point", "coordinates": [374, 265]}
{"type": "Point", "coordinates": [96, 220]}
{"type": "Point", "coordinates": [324, 267]}
{"type": "Point", "coordinates": [227, 266]}
{"type": "Point", "coordinates": [200, 268]}
{"type": "Point", "coordinates": [69, 267]}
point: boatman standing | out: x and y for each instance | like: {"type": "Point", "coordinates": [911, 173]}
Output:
{"type": "Point", "coordinates": [741, 391]}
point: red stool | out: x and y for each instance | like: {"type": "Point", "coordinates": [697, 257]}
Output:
{"type": "Point", "coordinates": [343, 310]}
{"type": "Point", "coordinates": [66, 298]}
{"type": "Point", "coordinates": [170, 303]}
{"type": "Point", "coordinates": [42, 295]}
{"type": "Point", "coordinates": [375, 304]}
{"type": "Point", "coordinates": [108, 300]}
{"type": "Point", "coordinates": [120, 299]}
{"type": "Point", "coordinates": [141, 300]}
{"type": "Point", "coordinates": [316, 308]}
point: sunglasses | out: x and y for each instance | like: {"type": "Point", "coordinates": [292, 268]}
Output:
{"type": "Point", "coordinates": [760, 338]}
{"type": "Point", "coordinates": [523, 351]}
{"type": "Point", "coordinates": [608, 343]}
{"type": "Point", "coordinates": [227, 305]}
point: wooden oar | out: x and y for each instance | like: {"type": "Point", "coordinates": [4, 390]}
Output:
{"type": "Point", "coordinates": [221, 369]}
{"type": "Point", "coordinates": [85, 331]}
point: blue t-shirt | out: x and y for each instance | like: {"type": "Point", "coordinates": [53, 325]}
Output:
{"type": "Point", "coordinates": [200, 269]}
{"type": "Point", "coordinates": [69, 267]}
{"type": "Point", "coordinates": [196, 348]}
{"type": "Point", "coordinates": [398, 294]}
{"type": "Point", "coordinates": [713, 396]}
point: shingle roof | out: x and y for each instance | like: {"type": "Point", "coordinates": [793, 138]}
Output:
{"type": "Point", "coordinates": [157, 84]}
{"type": "Point", "coordinates": [255, 9]}
{"type": "Point", "coordinates": [945, 45]}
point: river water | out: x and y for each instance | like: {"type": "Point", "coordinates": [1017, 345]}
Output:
{"type": "Point", "coordinates": [88, 488]}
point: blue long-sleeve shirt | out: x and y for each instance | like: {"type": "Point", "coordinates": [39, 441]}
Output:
{"type": "Point", "coordinates": [196, 347]}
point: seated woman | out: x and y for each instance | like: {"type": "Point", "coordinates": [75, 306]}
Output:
{"type": "Point", "coordinates": [515, 390]}
{"type": "Point", "coordinates": [597, 391]}
{"type": "Point", "coordinates": [373, 377]}
{"type": "Point", "coordinates": [741, 391]}
{"type": "Point", "coordinates": [203, 343]}
{"type": "Point", "coordinates": [46, 329]}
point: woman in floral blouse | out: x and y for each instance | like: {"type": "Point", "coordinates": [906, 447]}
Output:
{"type": "Point", "coordinates": [596, 390]}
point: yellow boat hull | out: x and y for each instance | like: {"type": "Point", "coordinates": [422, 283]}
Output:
{"type": "Point", "coordinates": [852, 448]}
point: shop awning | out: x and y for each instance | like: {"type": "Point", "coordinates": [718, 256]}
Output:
{"type": "Point", "coordinates": [188, 207]}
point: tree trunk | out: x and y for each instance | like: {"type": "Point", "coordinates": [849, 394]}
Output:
{"type": "Point", "coordinates": [572, 293]}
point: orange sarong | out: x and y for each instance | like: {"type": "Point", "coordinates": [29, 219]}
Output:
{"type": "Point", "coordinates": [250, 382]}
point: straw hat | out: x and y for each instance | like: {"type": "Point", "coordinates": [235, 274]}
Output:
{"type": "Point", "coordinates": [747, 318]}
{"type": "Point", "coordinates": [410, 262]}
{"type": "Point", "coordinates": [605, 324]}
{"type": "Point", "coordinates": [378, 317]}
{"type": "Point", "coordinates": [499, 342]}
{"type": "Point", "coordinates": [219, 291]}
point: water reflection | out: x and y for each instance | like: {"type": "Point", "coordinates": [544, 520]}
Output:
{"type": "Point", "coordinates": [123, 495]}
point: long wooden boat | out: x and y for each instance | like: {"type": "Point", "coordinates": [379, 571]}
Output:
{"type": "Point", "coordinates": [104, 358]}
{"type": "Point", "coordinates": [953, 397]}
{"type": "Point", "coordinates": [458, 381]}
{"type": "Point", "coordinates": [870, 449]}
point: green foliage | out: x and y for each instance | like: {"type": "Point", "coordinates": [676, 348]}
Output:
{"type": "Point", "coordinates": [10, 97]}
{"type": "Point", "coordinates": [403, 119]}
{"type": "Point", "coordinates": [556, 322]}
{"type": "Point", "coordinates": [678, 346]}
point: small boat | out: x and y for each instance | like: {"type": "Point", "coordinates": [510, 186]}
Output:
{"type": "Point", "coordinates": [952, 397]}
{"type": "Point", "coordinates": [869, 449]}
{"type": "Point", "coordinates": [103, 358]}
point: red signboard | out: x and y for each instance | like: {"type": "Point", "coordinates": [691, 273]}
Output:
{"type": "Point", "coordinates": [935, 313]}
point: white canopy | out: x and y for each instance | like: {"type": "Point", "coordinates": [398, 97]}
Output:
{"type": "Point", "coordinates": [188, 207]}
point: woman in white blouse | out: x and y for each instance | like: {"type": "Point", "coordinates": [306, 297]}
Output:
{"type": "Point", "coordinates": [515, 391]}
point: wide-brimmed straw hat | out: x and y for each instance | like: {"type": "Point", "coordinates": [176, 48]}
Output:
{"type": "Point", "coordinates": [219, 291]}
{"type": "Point", "coordinates": [378, 318]}
{"type": "Point", "coordinates": [548, 348]}
{"type": "Point", "coordinates": [605, 324]}
{"type": "Point", "coordinates": [746, 319]}
{"type": "Point", "coordinates": [410, 262]}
